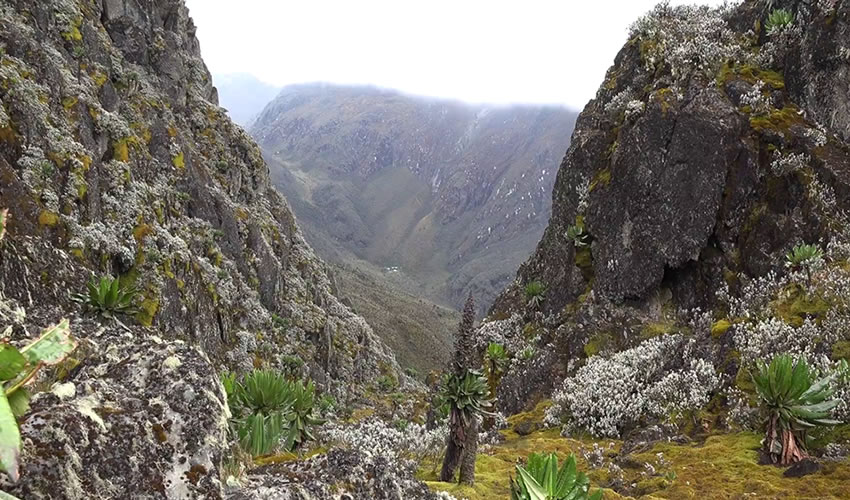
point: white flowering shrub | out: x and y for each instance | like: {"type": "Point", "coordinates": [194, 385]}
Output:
{"type": "Point", "coordinates": [506, 332]}
{"type": "Point", "coordinates": [783, 164]}
{"type": "Point", "coordinates": [766, 338]}
{"type": "Point", "coordinates": [608, 394]}
{"type": "Point", "coordinates": [620, 102]}
{"type": "Point", "coordinates": [634, 108]}
{"type": "Point", "coordinates": [756, 100]}
{"type": "Point", "coordinates": [374, 438]}
{"type": "Point", "coordinates": [817, 135]}
{"type": "Point", "coordinates": [687, 38]}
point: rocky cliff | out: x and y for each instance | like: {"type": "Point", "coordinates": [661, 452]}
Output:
{"type": "Point", "coordinates": [716, 144]}
{"type": "Point", "coordinates": [454, 195]}
{"type": "Point", "coordinates": [115, 158]}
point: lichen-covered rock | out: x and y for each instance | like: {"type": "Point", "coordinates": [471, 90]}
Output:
{"type": "Point", "coordinates": [141, 418]}
{"type": "Point", "coordinates": [683, 185]}
{"type": "Point", "coordinates": [116, 158]}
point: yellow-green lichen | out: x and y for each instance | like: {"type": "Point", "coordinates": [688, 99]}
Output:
{"type": "Point", "coordinates": [719, 328]}
{"type": "Point", "coordinates": [657, 329]}
{"type": "Point", "coordinates": [602, 178]}
{"type": "Point", "coordinates": [179, 161]}
{"type": "Point", "coordinates": [777, 120]}
{"type": "Point", "coordinates": [48, 218]}
{"type": "Point", "coordinates": [750, 74]}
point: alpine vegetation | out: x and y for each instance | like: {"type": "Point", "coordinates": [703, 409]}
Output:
{"type": "Point", "coordinates": [535, 294]}
{"type": "Point", "coordinates": [269, 411]}
{"type": "Point", "coordinates": [108, 297]}
{"type": "Point", "coordinates": [794, 404]}
{"type": "Point", "coordinates": [542, 479]}
{"type": "Point", "coordinates": [609, 395]}
{"type": "Point", "coordinates": [778, 20]}
{"type": "Point", "coordinates": [468, 397]}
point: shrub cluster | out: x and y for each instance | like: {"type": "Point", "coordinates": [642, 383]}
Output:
{"type": "Point", "coordinates": [609, 394]}
{"type": "Point", "coordinates": [268, 409]}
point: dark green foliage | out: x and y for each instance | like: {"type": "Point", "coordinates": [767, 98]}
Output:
{"type": "Point", "coordinates": [578, 236]}
{"type": "Point", "coordinates": [535, 292]}
{"type": "Point", "coordinates": [267, 409]}
{"type": "Point", "coordinates": [108, 298]}
{"type": "Point", "coordinates": [541, 479]}
{"type": "Point", "coordinates": [291, 364]}
{"type": "Point", "coordinates": [327, 404]}
{"type": "Point", "coordinates": [387, 383]}
{"type": "Point", "coordinates": [468, 395]}
{"type": "Point", "coordinates": [793, 404]}
{"type": "Point", "coordinates": [804, 255]}
{"type": "Point", "coordinates": [301, 419]}
{"type": "Point", "coordinates": [778, 19]}
{"type": "Point", "coordinates": [279, 322]}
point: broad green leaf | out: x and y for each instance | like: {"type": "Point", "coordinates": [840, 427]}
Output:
{"type": "Point", "coordinates": [19, 401]}
{"type": "Point", "coordinates": [550, 473]}
{"type": "Point", "coordinates": [799, 381]}
{"type": "Point", "coordinates": [6, 496]}
{"type": "Point", "coordinates": [596, 495]}
{"type": "Point", "coordinates": [54, 344]}
{"type": "Point", "coordinates": [10, 439]}
{"type": "Point", "coordinates": [535, 491]}
{"type": "Point", "coordinates": [819, 410]}
{"type": "Point", "coordinates": [12, 362]}
{"type": "Point", "coordinates": [783, 375]}
{"type": "Point", "coordinates": [816, 390]}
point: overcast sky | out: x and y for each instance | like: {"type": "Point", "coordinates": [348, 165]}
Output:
{"type": "Point", "coordinates": [531, 51]}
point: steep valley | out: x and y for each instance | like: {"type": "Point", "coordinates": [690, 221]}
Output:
{"type": "Point", "coordinates": [452, 195]}
{"type": "Point", "coordinates": [663, 312]}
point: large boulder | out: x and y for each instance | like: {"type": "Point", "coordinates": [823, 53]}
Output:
{"type": "Point", "coordinates": [140, 418]}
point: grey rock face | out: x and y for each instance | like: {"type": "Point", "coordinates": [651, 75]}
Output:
{"type": "Point", "coordinates": [116, 158]}
{"type": "Point", "coordinates": [671, 176]}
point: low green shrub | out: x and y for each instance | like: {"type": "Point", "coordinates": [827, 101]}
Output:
{"type": "Point", "coordinates": [535, 292]}
{"type": "Point", "coordinates": [108, 298]}
{"type": "Point", "coordinates": [778, 20]}
{"type": "Point", "coordinates": [267, 410]}
{"type": "Point", "coordinates": [541, 479]}
{"type": "Point", "coordinates": [793, 404]}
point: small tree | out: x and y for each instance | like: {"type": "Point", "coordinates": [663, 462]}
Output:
{"type": "Point", "coordinates": [805, 257]}
{"type": "Point", "coordinates": [467, 395]}
{"type": "Point", "coordinates": [793, 404]}
{"type": "Point", "coordinates": [495, 363]}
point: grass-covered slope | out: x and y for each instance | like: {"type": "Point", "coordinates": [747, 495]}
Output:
{"type": "Point", "coordinates": [717, 466]}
